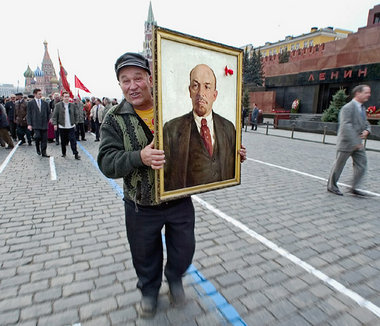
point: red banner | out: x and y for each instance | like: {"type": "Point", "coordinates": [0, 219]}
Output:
{"type": "Point", "coordinates": [65, 83]}
{"type": "Point", "coordinates": [79, 84]}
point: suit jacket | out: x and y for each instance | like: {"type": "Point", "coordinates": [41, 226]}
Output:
{"type": "Point", "coordinates": [35, 118]}
{"type": "Point", "coordinates": [351, 125]}
{"type": "Point", "coordinates": [59, 114]}
{"type": "Point", "coordinates": [176, 137]}
{"type": "Point", "coordinates": [100, 113]}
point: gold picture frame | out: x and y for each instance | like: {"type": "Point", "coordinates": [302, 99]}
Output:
{"type": "Point", "coordinates": [174, 56]}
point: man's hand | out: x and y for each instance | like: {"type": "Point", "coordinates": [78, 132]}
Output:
{"type": "Point", "coordinates": [243, 153]}
{"type": "Point", "coordinates": [55, 127]}
{"type": "Point", "coordinates": [364, 134]}
{"type": "Point", "coordinates": [30, 127]}
{"type": "Point", "coordinates": [152, 157]}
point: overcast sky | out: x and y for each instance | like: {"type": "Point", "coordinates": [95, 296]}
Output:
{"type": "Point", "coordinates": [90, 35]}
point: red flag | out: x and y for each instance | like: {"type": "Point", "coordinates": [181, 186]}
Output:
{"type": "Point", "coordinates": [65, 83]}
{"type": "Point", "coordinates": [79, 96]}
{"type": "Point", "coordinates": [79, 84]}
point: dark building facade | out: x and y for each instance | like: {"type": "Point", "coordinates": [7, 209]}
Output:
{"type": "Point", "coordinates": [315, 74]}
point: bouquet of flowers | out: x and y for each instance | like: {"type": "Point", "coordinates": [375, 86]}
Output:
{"type": "Point", "coordinates": [295, 105]}
{"type": "Point", "coordinates": [372, 110]}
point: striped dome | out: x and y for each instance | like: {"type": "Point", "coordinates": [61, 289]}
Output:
{"type": "Point", "coordinates": [28, 73]}
{"type": "Point", "coordinates": [38, 72]}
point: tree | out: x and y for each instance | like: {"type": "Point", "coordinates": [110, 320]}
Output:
{"type": "Point", "coordinates": [252, 69]}
{"type": "Point", "coordinates": [246, 99]}
{"type": "Point", "coordinates": [332, 112]}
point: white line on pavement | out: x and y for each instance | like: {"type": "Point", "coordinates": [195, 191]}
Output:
{"type": "Point", "coordinates": [310, 175]}
{"type": "Point", "coordinates": [310, 269]}
{"type": "Point", "coordinates": [8, 158]}
{"type": "Point", "coordinates": [53, 173]}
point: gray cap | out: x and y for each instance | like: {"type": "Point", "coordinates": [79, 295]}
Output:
{"type": "Point", "coordinates": [131, 59]}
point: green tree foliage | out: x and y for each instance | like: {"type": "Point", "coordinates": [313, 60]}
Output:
{"type": "Point", "coordinates": [252, 69]}
{"type": "Point", "coordinates": [332, 112]}
{"type": "Point", "coordinates": [246, 99]}
{"type": "Point", "coordinates": [283, 57]}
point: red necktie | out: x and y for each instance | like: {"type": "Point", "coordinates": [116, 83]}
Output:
{"type": "Point", "coordinates": [206, 136]}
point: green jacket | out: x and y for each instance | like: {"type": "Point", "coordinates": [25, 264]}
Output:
{"type": "Point", "coordinates": [123, 135]}
{"type": "Point", "coordinates": [59, 114]}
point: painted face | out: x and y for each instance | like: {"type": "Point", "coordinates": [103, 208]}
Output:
{"type": "Point", "coordinates": [363, 96]}
{"type": "Point", "coordinates": [136, 85]}
{"type": "Point", "coordinates": [202, 90]}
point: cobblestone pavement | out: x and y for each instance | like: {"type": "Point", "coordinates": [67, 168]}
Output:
{"type": "Point", "coordinates": [65, 260]}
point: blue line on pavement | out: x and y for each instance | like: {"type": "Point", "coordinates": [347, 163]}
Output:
{"type": "Point", "coordinates": [227, 311]}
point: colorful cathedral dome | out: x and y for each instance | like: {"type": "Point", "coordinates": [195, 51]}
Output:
{"type": "Point", "coordinates": [54, 80]}
{"type": "Point", "coordinates": [38, 72]}
{"type": "Point", "coordinates": [28, 73]}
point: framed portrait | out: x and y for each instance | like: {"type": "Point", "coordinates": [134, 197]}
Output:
{"type": "Point", "coordinates": [198, 90]}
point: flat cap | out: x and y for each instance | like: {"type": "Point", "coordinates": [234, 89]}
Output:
{"type": "Point", "coordinates": [131, 59]}
{"type": "Point", "coordinates": [18, 94]}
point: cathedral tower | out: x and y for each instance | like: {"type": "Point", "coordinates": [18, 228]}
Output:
{"type": "Point", "coordinates": [147, 52]}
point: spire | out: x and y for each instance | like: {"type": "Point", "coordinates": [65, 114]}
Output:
{"type": "Point", "coordinates": [46, 59]}
{"type": "Point", "coordinates": [150, 19]}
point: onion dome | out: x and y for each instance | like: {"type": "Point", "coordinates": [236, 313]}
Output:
{"type": "Point", "coordinates": [38, 72]}
{"type": "Point", "coordinates": [54, 80]}
{"type": "Point", "coordinates": [28, 73]}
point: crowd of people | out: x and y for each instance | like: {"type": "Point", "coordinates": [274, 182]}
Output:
{"type": "Point", "coordinates": [21, 119]}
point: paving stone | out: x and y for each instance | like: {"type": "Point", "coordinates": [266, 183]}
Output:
{"type": "Point", "coordinates": [122, 316]}
{"type": "Point", "coordinates": [97, 308]}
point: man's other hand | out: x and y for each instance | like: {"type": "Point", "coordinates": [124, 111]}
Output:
{"type": "Point", "coordinates": [243, 153]}
{"type": "Point", "coordinates": [152, 157]}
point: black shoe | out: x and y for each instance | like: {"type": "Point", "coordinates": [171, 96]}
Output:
{"type": "Point", "coordinates": [22, 141]}
{"type": "Point", "coordinates": [358, 193]}
{"type": "Point", "coordinates": [84, 139]}
{"type": "Point", "coordinates": [45, 155]}
{"type": "Point", "coordinates": [30, 144]}
{"type": "Point", "coordinates": [77, 157]}
{"type": "Point", "coordinates": [97, 140]}
{"type": "Point", "coordinates": [57, 143]}
{"type": "Point", "coordinates": [63, 155]}
{"type": "Point", "coordinates": [148, 306]}
{"type": "Point", "coordinates": [38, 152]}
{"type": "Point", "coordinates": [177, 294]}
{"type": "Point", "coordinates": [336, 192]}
{"type": "Point", "coordinates": [9, 147]}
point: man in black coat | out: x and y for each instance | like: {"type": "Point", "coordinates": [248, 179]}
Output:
{"type": "Point", "coordinates": [10, 109]}
{"type": "Point", "coordinates": [38, 118]}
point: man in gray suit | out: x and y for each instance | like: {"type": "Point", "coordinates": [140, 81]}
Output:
{"type": "Point", "coordinates": [353, 128]}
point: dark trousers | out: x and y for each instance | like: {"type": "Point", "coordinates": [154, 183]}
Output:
{"type": "Point", "coordinates": [144, 225]}
{"type": "Point", "coordinates": [56, 136]}
{"type": "Point", "coordinates": [12, 129]}
{"type": "Point", "coordinates": [40, 137]}
{"type": "Point", "coordinates": [97, 129]}
{"type": "Point", "coordinates": [80, 131]}
{"type": "Point", "coordinates": [21, 132]}
{"type": "Point", "coordinates": [68, 135]}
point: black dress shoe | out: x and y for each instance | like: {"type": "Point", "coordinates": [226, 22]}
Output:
{"type": "Point", "coordinates": [38, 152]}
{"type": "Point", "coordinates": [358, 192]}
{"type": "Point", "coordinates": [177, 294]}
{"type": "Point", "coordinates": [148, 306]}
{"type": "Point", "coordinates": [84, 139]}
{"type": "Point", "coordinates": [336, 192]}
{"type": "Point", "coordinates": [45, 155]}
{"type": "Point", "coordinates": [77, 157]}
{"type": "Point", "coordinates": [97, 140]}
{"type": "Point", "coordinates": [63, 155]}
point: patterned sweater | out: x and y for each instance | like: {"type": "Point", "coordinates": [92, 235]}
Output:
{"type": "Point", "coordinates": [123, 135]}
